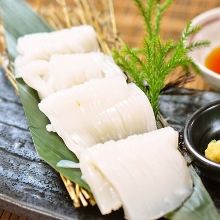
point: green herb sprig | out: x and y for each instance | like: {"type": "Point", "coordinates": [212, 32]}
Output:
{"type": "Point", "coordinates": [149, 66]}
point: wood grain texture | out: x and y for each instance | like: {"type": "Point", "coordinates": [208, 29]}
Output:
{"type": "Point", "coordinates": [5, 215]}
{"type": "Point", "coordinates": [130, 27]}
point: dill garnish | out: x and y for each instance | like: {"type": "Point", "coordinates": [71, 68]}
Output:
{"type": "Point", "coordinates": [149, 66]}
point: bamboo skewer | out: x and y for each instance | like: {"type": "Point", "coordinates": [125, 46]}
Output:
{"type": "Point", "coordinates": [70, 188]}
{"type": "Point", "coordinates": [112, 15]}
{"type": "Point", "coordinates": [65, 12]}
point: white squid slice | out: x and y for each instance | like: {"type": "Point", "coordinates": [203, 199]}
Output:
{"type": "Point", "coordinates": [65, 71]}
{"type": "Point", "coordinates": [146, 174]}
{"type": "Point", "coordinates": [92, 113]}
{"type": "Point", "coordinates": [35, 75]}
{"type": "Point", "coordinates": [68, 70]}
{"type": "Point", "coordinates": [42, 46]}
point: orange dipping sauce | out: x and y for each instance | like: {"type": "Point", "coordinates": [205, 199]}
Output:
{"type": "Point", "coordinates": [213, 60]}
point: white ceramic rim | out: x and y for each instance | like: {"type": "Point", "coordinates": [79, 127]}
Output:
{"type": "Point", "coordinates": [206, 16]}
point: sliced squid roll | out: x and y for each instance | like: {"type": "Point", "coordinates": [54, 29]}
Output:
{"type": "Point", "coordinates": [98, 111]}
{"type": "Point", "coordinates": [145, 174]}
{"type": "Point", "coordinates": [35, 75]}
{"type": "Point", "coordinates": [65, 71]}
{"type": "Point", "coordinates": [79, 39]}
{"type": "Point", "coordinates": [132, 115]}
{"type": "Point", "coordinates": [68, 70]}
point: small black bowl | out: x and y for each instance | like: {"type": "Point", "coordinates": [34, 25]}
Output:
{"type": "Point", "coordinates": [204, 126]}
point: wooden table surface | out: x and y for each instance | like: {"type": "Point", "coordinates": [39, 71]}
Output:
{"type": "Point", "coordinates": [130, 27]}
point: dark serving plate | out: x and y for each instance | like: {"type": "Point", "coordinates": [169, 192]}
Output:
{"type": "Point", "coordinates": [29, 186]}
{"type": "Point", "coordinates": [204, 126]}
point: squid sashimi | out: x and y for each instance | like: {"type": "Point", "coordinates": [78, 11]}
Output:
{"type": "Point", "coordinates": [97, 111]}
{"type": "Point", "coordinates": [64, 71]}
{"type": "Point", "coordinates": [42, 46]}
{"type": "Point", "coordinates": [146, 174]}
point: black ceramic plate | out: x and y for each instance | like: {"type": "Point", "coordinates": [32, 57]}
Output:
{"type": "Point", "coordinates": [177, 105]}
{"type": "Point", "coordinates": [29, 186]}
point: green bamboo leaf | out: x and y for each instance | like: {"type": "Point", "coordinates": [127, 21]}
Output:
{"type": "Point", "coordinates": [199, 206]}
{"type": "Point", "coordinates": [49, 146]}
{"type": "Point", "coordinates": [19, 19]}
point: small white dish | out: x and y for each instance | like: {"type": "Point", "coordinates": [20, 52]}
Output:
{"type": "Point", "coordinates": [210, 30]}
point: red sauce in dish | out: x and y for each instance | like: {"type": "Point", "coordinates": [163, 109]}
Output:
{"type": "Point", "coordinates": [213, 60]}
